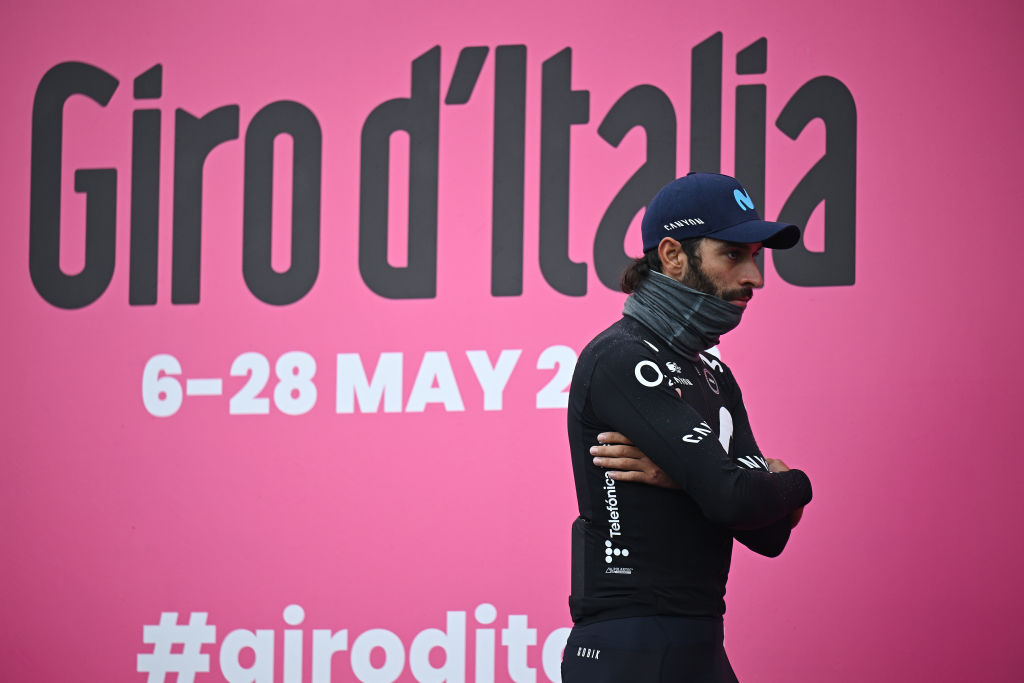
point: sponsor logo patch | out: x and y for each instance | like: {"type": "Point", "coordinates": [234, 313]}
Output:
{"type": "Point", "coordinates": [743, 199]}
{"type": "Point", "coordinates": [618, 570]}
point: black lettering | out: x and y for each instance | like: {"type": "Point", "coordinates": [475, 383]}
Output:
{"type": "Point", "coordinates": [298, 122]}
{"type": "Point", "coordinates": [832, 180]}
{"type": "Point", "coordinates": [467, 72]}
{"type": "Point", "coordinates": [751, 123]}
{"type": "Point", "coordinates": [100, 186]}
{"type": "Point", "coordinates": [561, 107]}
{"type": "Point", "coordinates": [649, 108]}
{"type": "Point", "coordinates": [706, 106]}
{"type": "Point", "coordinates": [419, 116]}
{"type": "Point", "coordinates": [752, 127]}
{"type": "Point", "coordinates": [509, 170]}
{"type": "Point", "coordinates": [145, 211]}
{"type": "Point", "coordinates": [194, 139]}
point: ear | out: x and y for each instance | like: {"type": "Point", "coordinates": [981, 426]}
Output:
{"type": "Point", "coordinates": [673, 258]}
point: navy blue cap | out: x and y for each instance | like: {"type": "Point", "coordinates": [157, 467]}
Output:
{"type": "Point", "coordinates": [711, 205]}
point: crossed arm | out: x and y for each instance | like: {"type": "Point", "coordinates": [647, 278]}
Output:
{"type": "Point", "coordinates": [617, 453]}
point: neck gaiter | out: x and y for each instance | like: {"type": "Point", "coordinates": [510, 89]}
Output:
{"type": "Point", "coordinates": [689, 321]}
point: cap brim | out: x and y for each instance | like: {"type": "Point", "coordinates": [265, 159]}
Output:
{"type": "Point", "coordinates": [770, 234]}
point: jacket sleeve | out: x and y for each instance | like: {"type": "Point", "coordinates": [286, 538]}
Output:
{"type": "Point", "coordinates": [672, 434]}
{"type": "Point", "coordinates": [770, 540]}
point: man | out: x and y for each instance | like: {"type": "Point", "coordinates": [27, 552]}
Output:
{"type": "Point", "coordinates": [653, 542]}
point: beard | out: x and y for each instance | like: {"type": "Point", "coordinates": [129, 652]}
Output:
{"type": "Point", "coordinates": [697, 278]}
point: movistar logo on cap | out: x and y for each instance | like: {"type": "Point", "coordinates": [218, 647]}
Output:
{"type": "Point", "coordinates": [743, 199]}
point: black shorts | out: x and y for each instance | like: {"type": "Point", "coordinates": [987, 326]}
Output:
{"type": "Point", "coordinates": [647, 650]}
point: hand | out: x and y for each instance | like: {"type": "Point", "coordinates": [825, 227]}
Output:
{"type": "Point", "coordinates": [627, 462]}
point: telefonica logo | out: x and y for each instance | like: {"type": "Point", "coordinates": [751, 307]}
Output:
{"type": "Point", "coordinates": [743, 199]}
{"type": "Point", "coordinates": [611, 551]}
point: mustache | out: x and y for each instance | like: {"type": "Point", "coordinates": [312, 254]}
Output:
{"type": "Point", "coordinates": [738, 293]}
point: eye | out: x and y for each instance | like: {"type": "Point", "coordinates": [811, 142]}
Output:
{"type": "Point", "coordinates": [733, 255]}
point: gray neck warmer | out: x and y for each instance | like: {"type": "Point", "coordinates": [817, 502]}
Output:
{"type": "Point", "coordinates": [687, 320]}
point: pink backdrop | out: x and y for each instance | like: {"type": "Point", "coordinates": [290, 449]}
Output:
{"type": "Point", "coordinates": [407, 534]}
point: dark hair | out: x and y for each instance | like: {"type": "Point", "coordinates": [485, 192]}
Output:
{"type": "Point", "coordinates": [636, 272]}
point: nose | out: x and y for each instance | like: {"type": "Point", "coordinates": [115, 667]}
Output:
{"type": "Point", "coordinates": [751, 275]}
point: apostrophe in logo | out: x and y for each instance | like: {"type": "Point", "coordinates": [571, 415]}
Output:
{"type": "Point", "coordinates": [743, 199]}
{"type": "Point", "coordinates": [610, 551]}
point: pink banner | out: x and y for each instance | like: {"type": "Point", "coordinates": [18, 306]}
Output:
{"type": "Point", "coordinates": [295, 291]}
